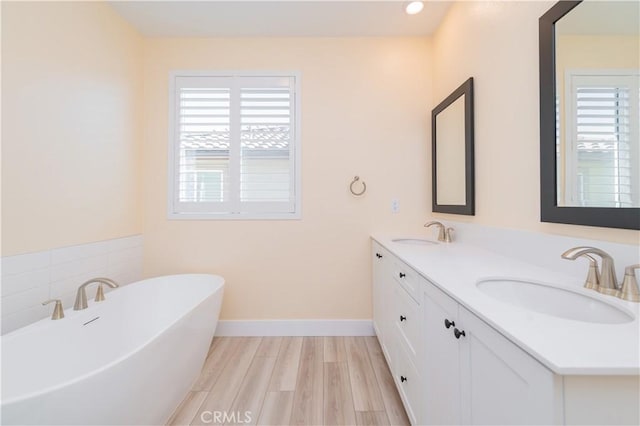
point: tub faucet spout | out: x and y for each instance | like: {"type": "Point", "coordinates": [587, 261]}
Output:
{"type": "Point", "coordinates": [81, 296]}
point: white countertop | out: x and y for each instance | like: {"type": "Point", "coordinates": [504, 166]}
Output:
{"type": "Point", "coordinates": [567, 347]}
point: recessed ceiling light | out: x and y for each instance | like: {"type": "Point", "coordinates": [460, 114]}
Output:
{"type": "Point", "coordinates": [414, 7]}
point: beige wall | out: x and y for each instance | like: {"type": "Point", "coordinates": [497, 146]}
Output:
{"type": "Point", "coordinates": [365, 111]}
{"type": "Point", "coordinates": [497, 43]}
{"type": "Point", "coordinates": [71, 133]}
{"type": "Point", "coordinates": [72, 97]}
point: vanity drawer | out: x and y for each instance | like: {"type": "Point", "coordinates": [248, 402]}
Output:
{"type": "Point", "coordinates": [408, 322]}
{"type": "Point", "coordinates": [408, 279]}
{"type": "Point", "coordinates": [409, 384]}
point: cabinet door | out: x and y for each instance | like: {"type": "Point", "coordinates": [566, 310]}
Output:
{"type": "Point", "coordinates": [442, 361]}
{"type": "Point", "coordinates": [501, 384]}
{"type": "Point", "coordinates": [383, 296]}
{"type": "Point", "coordinates": [378, 260]}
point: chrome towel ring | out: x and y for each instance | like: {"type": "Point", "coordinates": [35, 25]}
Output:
{"type": "Point", "coordinates": [353, 182]}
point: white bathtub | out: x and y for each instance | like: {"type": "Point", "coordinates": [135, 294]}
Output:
{"type": "Point", "coordinates": [132, 365]}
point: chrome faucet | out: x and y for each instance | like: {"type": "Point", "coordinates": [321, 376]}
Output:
{"type": "Point", "coordinates": [605, 282]}
{"type": "Point", "coordinates": [444, 233]}
{"type": "Point", "coordinates": [81, 296]}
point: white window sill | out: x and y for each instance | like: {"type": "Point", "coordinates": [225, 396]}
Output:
{"type": "Point", "coordinates": [234, 216]}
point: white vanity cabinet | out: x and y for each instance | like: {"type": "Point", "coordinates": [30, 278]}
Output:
{"type": "Point", "coordinates": [448, 365]}
{"type": "Point", "coordinates": [452, 367]}
{"type": "Point", "coordinates": [474, 375]}
{"type": "Point", "coordinates": [398, 322]}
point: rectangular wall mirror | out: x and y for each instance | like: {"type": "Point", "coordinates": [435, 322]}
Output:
{"type": "Point", "coordinates": [589, 113]}
{"type": "Point", "coordinates": [452, 153]}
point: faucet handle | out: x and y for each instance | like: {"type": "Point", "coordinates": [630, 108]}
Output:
{"type": "Point", "coordinates": [58, 310]}
{"type": "Point", "coordinates": [630, 290]}
{"type": "Point", "coordinates": [447, 235]}
{"type": "Point", "coordinates": [100, 292]}
{"type": "Point", "coordinates": [593, 276]}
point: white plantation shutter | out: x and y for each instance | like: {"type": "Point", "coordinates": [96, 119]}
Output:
{"type": "Point", "coordinates": [234, 146]}
{"type": "Point", "coordinates": [604, 143]}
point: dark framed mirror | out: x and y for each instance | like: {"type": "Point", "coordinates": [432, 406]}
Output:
{"type": "Point", "coordinates": [452, 157]}
{"type": "Point", "coordinates": [589, 115]}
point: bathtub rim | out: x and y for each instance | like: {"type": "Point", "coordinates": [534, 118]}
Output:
{"type": "Point", "coordinates": [147, 342]}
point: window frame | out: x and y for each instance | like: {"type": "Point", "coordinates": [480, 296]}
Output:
{"type": "Point", "coordinates": [173, 212]}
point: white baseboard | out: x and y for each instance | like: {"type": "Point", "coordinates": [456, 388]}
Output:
{"type": "Point", "coordinates": [295, 328]}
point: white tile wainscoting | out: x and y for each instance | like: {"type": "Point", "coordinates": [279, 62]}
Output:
{"type": "Point", "coordinates": [31, 278]}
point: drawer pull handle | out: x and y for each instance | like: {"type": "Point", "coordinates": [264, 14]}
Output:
{"type": "Point", "coordinates": [458, 333]}
{"type": "Point", "coordinates": [402, 318]}
{"type": "Point", "coordinates": [403, 379]}
{"type": "Point", "coordinates": [448, 323]}
{"type": "Point", "coordinates": [378, 255]}
{"type": "Point", "coordinates": [402, 275]}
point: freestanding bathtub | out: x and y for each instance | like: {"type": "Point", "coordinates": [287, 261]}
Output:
{"type": "Point", "coordinates": [127, 360]}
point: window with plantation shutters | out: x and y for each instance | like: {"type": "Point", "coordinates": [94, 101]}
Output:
{"type": "Point", "coordinates": [234, 146]}
{"type": "Point", "coordinates": [603, 157]}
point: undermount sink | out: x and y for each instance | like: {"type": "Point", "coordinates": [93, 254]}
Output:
{"type": "Point", "coordinates": [413, 241]}
{"type": "Point", "coordinates": [555, 301]}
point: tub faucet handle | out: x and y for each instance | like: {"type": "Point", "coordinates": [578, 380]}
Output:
{"type": "Point", "coordinates": [58, 310]}
{"type": "Point", "coordinates": [99, 294]}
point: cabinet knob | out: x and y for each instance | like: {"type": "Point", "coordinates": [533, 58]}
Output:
{"type": "Point", "coordinates": [448, 323]}
{"type": "Point", "coordinates": [458, 333]}
{"type": "Point", "coordinates": [378, 255]}
{"type": "Point", "coordinates": [402, 275]}
{"type": "Point", "coordinates": [402, 318]}
{"type": "Point", "coordinates": [403, 379]}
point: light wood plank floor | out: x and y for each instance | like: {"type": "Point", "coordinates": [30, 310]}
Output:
{"type": "Point", "coordinates": [293, 381]}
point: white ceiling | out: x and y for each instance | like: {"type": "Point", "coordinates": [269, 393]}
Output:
{"type": "Point", "coordinates": [240, 18]}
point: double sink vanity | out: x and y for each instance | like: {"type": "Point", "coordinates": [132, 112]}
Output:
{"type": "Point", "coordinates": [473, 336]}
{"type": "Point", "coordinates": [501, 326]}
